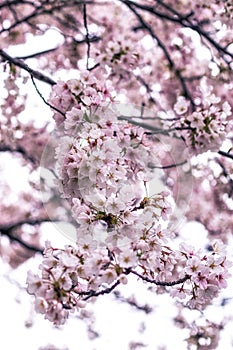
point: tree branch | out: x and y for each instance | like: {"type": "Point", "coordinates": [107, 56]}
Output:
{"type": "Point", "coordinates": [16, 2]}
{"type": "Point", "coordinates": [19, 63]}
{"type": "Point", "coordinates": [87, 34]}
{"type": "Point", "coordinates": [6, 230]}
{"type": "Point", "coordinates": [148, 28]}
{"type": "Point", "coordinates": [36, 54]}
{"type": "Point", "coordinates": [44, 100]}
{"type": "Point", "coordinates": [31, 222]}
{"type": "Point", "coordinates": [132, 302]}
{"type": "Point", "coordinates": [93, 293]}
{"type": "Point", "coordinates": [227, 176]}
{"type": "Point", "coordinates": [169, 166]}
{"type": "Point", "coordinates": [152, 128]}
{"type": "Point", "coordinates": [148, 89]}
{"type": "Point", "coordinates": [183, 20]}
{"type": "Point", "coordinates": [20, 150]}
{"type": "Point", "coordinates": [160, 283]}
{"type": "Point", "coordinates": [21, 242]}
{"type": "Point", "coordinates": [225, 154]}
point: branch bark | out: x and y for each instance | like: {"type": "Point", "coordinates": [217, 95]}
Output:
{"type": "Point", "coordinates": [7, 230]}
{"type": "Point", "coordinates": [160, 283]}
{"type": "Point", "coordinates": [24, 244]}
{"type": "Point", "coordinates": [226, 154]}
{"type": "Point", "coordinates": [91, 293]}
{"type": "Point", "coordinates": [20, 150]}
{"type": "Point", "coordinates": [19, 63]}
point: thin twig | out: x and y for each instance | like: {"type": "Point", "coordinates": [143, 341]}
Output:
{"type": "Point", "coordinates": [93, 293]}
{"type": "Point", "coordinates": [44, 100]}
{"type": "Point", "coordinates": [36, 54]}
{"type": "Point", "coordinates": [132, 302]}
{"type": "Point", "coordinates": [160, 283]}
{"type": "Point", "coordinates": [175, 165]}
{"type": "Point", "coordinates": [152, 128]}
{"type": "Point", "coordinates": [87, 34]}
{"type": "Point", "coordinates": [176, 71]}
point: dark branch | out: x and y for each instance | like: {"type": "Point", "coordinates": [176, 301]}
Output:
{"type": "Point", "coordinates": [44, 100]}
{"type": "Point", "coordinates": [14, 2]}
{"type": "Point", "coordinates": [176, 17]}
{"type": "Point", "coordinates": [20, 150]}
{"type": "Point", "coordinates": [174, 12]}
{"type": "Point", "coordinates": [36, 54]}
{"type": "Point", "coordinates": [19, 63]}
{"type": "Point", "coordinates": [31, 222]}
{"type": "Point", "coordinates": [21, 242]}
{"type": "Point", "coordinates": [87, 34]}
{"type": "Point", "coordinates": [7, 230]}
{"type": "Point", "coordinates": [167, 166]}
{"type": "Point", "coordinates": [149, 29]}
{"type": "Point", "coordinates": [160, 283]}
{"type": "Point", "coordinates": [225, 154]}
{"type": "Point", "coordinates": [93, 293]}
{"type": "Point", "coordinates": [132, 302]}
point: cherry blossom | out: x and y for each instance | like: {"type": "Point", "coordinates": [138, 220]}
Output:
{"type": "Point", "coordinates": [129, 143]}
{"type": "Point", "coordinates": [117, 235]}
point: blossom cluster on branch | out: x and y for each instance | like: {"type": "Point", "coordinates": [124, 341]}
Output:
{"type": "Point", "coordinates": [207, 127]}
{"type": "Point", "coordinates": [103, 172]}
{"type": "Point", "coordinates": [173, 61]}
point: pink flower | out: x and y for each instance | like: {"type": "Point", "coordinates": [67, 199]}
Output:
{"type": "Point", "coordinates": [201, 279]}
{"type": "Point", "coordinates": [181, 106]}
{"type": "Point", "coordinates": [109, 276]}
{"type": "Point", "coordinates": [114, 205]}
{"type": "Point", "coordinates": [222, 283]}
{"type": "Point", "coordinates": [127, 258]}
{"type": "Point", "coordinates": [34, 283]}
{"type": "Point", "coordinates": [41, 305]}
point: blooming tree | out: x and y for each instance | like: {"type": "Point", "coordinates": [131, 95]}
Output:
{"type": "Point", "coordinates": [137, 144]}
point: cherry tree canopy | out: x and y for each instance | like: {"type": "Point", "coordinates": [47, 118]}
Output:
{"type": "Point", "coordinates": [131, 142]}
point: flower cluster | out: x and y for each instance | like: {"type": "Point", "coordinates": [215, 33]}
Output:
{"type": "Point", "coordinates": [206, 128]}
{"type": "Point", "coordinates": [120, 55]}
{"type": "Point", "coordinates": [83, 92]}
{"type": "Point", "coordinates": [102, 166]}
{"type": "Point", "coordinates": [103, 171]}
{"type": "Point", "coordinates": [207, 274]}
{"type": "Point", "coordinates": [71, 276]}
